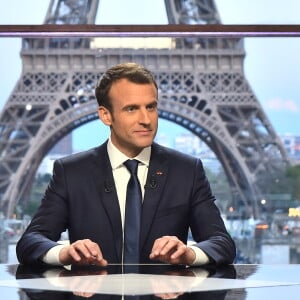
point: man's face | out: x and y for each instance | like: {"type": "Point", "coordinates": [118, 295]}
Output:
{"type": "Point", "coordinates": [134, 116]}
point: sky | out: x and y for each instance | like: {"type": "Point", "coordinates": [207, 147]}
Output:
{"type": "Point", "coordinates": [271, 65]}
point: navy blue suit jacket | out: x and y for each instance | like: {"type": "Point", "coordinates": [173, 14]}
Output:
{"type": "Point", "coordinates": [82, 198]}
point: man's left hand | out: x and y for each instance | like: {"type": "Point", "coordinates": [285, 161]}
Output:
{"type": "Point", "coordinates": [169, 249]}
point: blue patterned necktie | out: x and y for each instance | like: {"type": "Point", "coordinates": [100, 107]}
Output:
{"type": "Point", "coordinates": [132, 215]}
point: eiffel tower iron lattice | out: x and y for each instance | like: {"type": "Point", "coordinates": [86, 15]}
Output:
{"type": "Point", "coordinates": [202, 87]}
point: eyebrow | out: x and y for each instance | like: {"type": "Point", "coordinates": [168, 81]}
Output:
{"type": "Point", "coordinates": [154, 102]}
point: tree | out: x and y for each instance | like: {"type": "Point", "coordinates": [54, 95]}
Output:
{"type": "Point", "coordinates": [293, 175]}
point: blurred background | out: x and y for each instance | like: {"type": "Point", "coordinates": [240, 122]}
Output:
{"type": "Point", "coordinates": [262, 70]}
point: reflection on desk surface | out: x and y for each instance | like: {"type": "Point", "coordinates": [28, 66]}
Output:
{"type": "Point", "coordinates": [152, 281]}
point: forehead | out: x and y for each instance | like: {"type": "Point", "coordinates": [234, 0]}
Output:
{"type": "Point", "coordinates": [124, 88]}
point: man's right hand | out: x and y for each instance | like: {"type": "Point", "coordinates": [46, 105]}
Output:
{"type": "Point", "coordinates": [82, 252]}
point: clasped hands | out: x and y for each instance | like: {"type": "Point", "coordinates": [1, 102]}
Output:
{"type": "Point", "coordinates": [167, 249]}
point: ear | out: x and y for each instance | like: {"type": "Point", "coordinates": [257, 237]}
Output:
{"type": "Point", "coordinates": [104, 115]}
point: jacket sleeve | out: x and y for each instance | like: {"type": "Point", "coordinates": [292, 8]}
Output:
{"type": "Point", "coordinates": [207, 226]}
{"type": "Point", "coordinates": [48, 223]}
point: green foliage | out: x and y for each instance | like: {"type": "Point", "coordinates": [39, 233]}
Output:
{"type": "Point", "coordinates": [293, 176]}
{"type": "Point", "coordinates": [293, 172]}
{"type": "Point", "coordinates": [286, 182]}
{"type": "Point", "coordinates": [220, 187]}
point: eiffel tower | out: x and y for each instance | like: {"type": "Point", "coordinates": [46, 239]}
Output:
{"type": "Point", "coordinates": [202, 87]}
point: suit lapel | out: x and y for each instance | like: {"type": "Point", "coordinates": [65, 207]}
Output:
{"type": "Point", "coordinates": [156, 178]}
{"type": "Point", "coordinates": [107, 194]}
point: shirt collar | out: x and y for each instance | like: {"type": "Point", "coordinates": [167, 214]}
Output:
{"type": "Point", "coordinates": [117, 158]}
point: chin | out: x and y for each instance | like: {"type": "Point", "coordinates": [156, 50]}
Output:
{"type": "Point", "coordinates": [144, 144]}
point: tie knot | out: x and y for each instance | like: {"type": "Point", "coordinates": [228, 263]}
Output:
{"type": "Point", "coordinates": [131, 165]}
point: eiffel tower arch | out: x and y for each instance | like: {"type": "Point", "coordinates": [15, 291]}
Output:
{"type": "Point", "coordinates": [202, 87]}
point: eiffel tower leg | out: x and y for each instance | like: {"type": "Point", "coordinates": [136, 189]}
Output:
{"type": "Point", "coordinates": [202, 87]}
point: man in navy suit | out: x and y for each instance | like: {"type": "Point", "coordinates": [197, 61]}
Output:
{"type": "Point", "coordinates": [87, 192]}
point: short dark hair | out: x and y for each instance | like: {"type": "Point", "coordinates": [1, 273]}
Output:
{"type": "Point", "coordinates": [131, 71]}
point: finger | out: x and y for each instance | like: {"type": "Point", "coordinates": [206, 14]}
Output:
{"type": "Point", "coordinates": [169, 249]}
{"type": "Point", "coordinates": [171, 246]}
{"type": "Point", "coordinates": [74, 253]}
{"type": "Point", "coordinates": [158, 246]}
{"type": "Point", "coordinates": [96, 254]}
{"type": "Point", "coordinates": [93, 253]}
{"type": "Point", "coordinates": [92, 247]}
{"type": "Point", "coordinates": [79, 251]}
{"type": "Point", "coordinates": [180, 250]}
{"type": "Point", "coordinates": [86, 252]}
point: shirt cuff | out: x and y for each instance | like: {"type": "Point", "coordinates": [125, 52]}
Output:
{"type": "Point", "coordinates": [201, 257]}
{"type": "Point", "coordinates": [52, 256]}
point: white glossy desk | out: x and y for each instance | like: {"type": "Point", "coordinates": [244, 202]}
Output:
{"type": "Point", "coordinates": [153, 281]}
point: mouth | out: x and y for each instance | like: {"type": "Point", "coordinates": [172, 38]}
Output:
{"type": "Point", "coordinates": [144, 132]}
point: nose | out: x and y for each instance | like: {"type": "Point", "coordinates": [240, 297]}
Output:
{"type": "Point", "coordinates": [144, 116]}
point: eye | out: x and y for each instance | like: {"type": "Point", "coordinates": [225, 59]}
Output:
{"type": "Point", "coordinates": [130, 108]}
{"type": "Point", "coordinates": [152, 106]}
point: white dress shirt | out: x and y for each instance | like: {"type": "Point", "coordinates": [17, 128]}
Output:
{"type": "Point", "coordinates": [121, 177]}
